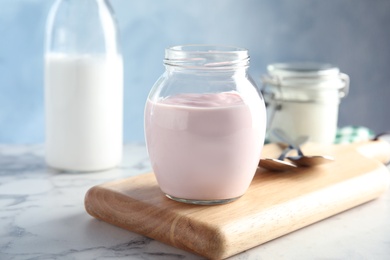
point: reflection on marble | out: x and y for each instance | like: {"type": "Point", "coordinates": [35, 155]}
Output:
{"type": "Point", "coordinates": [42, 216]}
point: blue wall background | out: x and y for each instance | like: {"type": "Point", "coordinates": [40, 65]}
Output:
{"type": "Point", "coordinates": [352, 34]}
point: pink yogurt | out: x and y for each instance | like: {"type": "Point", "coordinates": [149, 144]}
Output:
{"type": "Point", "coordinates": [204, 146]}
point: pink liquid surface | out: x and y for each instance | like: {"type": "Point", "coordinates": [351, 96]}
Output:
{"type": "Point", "coordinates": [204, 146]}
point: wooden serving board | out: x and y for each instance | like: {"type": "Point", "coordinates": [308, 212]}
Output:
{"type": "Point", "coordinates": [276, 203]}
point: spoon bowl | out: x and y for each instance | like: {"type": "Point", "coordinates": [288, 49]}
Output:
{"type": "Point", "coordinates": [276, 165]}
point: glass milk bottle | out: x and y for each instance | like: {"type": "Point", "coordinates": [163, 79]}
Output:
{"type": "Point", "coordinates": [205, 124]}
{"type": "Point", "coordinates": [303, 99]}
{"type": "Point", "coordinates": [83, 86]}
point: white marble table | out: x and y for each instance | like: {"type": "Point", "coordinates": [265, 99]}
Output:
{"type": "Point", "coordinates": [42, 216]}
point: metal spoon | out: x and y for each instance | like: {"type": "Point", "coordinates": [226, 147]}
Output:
{"type": "Point", "coordinates": [301, 159]}
{"type": "Point", "coordinates": [279, 164]}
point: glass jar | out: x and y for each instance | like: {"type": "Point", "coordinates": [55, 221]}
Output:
{"type": "Point", "coordinates": [205, 124]}
{"type": "Point", "coordinates": [303, 99]}
{"type": "Point", "coordinates": [83, 86]}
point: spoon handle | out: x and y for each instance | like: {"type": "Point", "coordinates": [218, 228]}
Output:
{"type": "Point", "coordinates": [300, 140]}
{"type": "Point", "coordinates": [281, 135]}
{"type": "Point", "coordinates": [283, 155]}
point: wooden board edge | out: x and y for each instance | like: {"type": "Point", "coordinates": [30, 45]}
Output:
{"type": "Point", "coordinates": [309, 209]}
{"type": "Point", "coordinates": [178, 230]}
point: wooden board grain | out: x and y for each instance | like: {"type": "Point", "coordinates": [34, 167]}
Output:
{"type": "Point", "coordinates": [274, 205]}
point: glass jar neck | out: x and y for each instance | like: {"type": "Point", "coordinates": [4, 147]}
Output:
{"type": "Point", "coordinates": [206, 58]}
{"type": "Point", "coordinates": [82, 27]}
{"type": "Point", "coordinates": [305, 74]}
{"type": "Point", "coordinates": [305, 82]}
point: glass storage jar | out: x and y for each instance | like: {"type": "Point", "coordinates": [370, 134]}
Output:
{"type": "Point", "coordinates": [205, 124]}
{"type": "Point", "coordinates": [303, 99]}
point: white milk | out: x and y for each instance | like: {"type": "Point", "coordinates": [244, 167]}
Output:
{"type": "Point", "coordinates": [84, 107]}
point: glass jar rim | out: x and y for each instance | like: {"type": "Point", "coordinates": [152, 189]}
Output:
{"type": "Point", "coordinates": [303, 70]}
{"type": "Point", "coordinates": [203, 56]}
{"type": "Point", "coordinates": [199, 48]}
